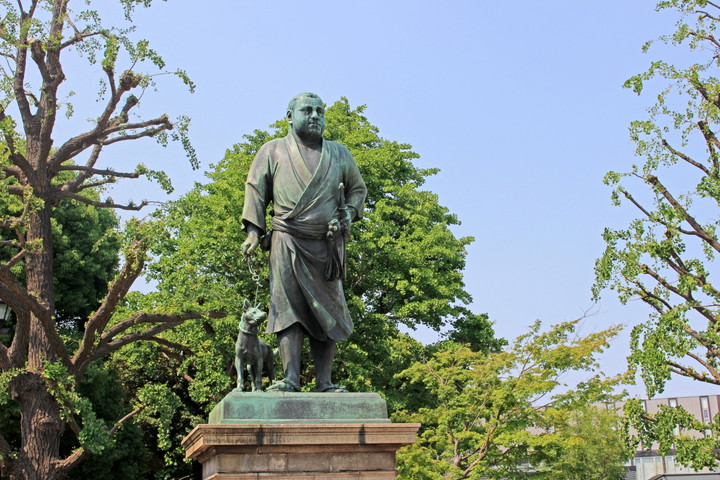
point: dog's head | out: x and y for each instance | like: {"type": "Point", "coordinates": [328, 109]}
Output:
{"type": "Point", "coordinates": [252, 317]}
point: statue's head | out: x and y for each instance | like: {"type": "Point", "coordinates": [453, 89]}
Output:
{"type": "Point", "coordinates": [306, 114]}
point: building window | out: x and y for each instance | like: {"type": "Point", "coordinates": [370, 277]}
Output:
{"type": "Point", "coordinates": [673, 403]}
{"type": "Point", "coordinates": [705, 409]}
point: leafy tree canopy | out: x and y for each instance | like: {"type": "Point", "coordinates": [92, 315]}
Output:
{"type": "Point", "coordinates": [498, 414]}
{"type": "Point", "coordinates": [666, 257]}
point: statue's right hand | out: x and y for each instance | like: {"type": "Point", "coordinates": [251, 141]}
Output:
{"type": "Point", "coordinates": [250, 244]}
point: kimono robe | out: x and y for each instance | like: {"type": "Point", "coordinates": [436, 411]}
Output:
{"type": "Point", "coordinates": [303, 204]}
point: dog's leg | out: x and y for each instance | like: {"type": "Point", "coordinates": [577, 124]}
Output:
{"type": "Point", "coordinates": [239, 368]}
{"type": "Point", "coordinates": [257, 379]}
{"type": "Point", "coordinates": [250, 375]}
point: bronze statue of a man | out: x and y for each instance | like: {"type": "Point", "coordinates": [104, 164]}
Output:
{"type": "Point", "coordinates": [316, 192]}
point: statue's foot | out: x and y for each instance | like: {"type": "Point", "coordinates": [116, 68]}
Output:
{"type": "Point", "coordinates": [331, 389]}
{"type": "Point", "coordinates": [283, 386]}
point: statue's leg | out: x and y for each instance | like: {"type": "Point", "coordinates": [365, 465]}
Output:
{"type": "Point", "coordinates": [323, 353]}
{"type": "Point", "coordinates": [290, 342]}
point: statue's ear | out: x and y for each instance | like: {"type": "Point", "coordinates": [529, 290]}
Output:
{"type": "Point", "coordinates": [246, 304]}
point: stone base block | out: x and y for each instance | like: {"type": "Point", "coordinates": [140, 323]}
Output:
{"type": "Point", "coordinates": [299, 407]}
{"type": "Point", "coordinates": [298, 451]}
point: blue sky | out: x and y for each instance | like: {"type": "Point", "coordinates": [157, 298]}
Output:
{"type": "Point", "coordinates": [519, 104]}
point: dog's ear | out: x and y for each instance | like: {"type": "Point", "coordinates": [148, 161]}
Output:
{"type": "Point", "coordinates": [257, 307]}
{"type": "Point", "coordinates": [246, 304]}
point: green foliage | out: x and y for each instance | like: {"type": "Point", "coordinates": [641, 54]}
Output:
{"type": "Point", "coordinates": [587, 443]}
{"type": "Point", "coordinates": [124, 457]}
{"type": "Point", "coordinates": [673, 428]}
{"type": "Point", "coordinates": [85, 247]}
{"type": "Point", "coordinates": [179, 380]}
{"type": "Point", "coordinates": [492, 412]}
{"type": "Point", "coordinates": [667, 256]}
{"type": "Point", "coordinates": [59, 242]}
{"type": "Point", "coordinates": [5, 379]}
{"type": "Point", "coordinates": [61, 385]}
{"type": "Point", "coordinates": [85, 255]}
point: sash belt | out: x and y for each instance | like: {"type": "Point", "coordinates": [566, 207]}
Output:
{"type": "Point", "coordinates": [334, 265]}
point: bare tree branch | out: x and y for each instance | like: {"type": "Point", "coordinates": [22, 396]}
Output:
{"type": "Point", "coordinates": [706, 365]}
{"type": "Point", "coordinates": [18, 299]}
{"type": "Point", "coordinates": [124, 419]}
{"type": "Point", "coordinates": [712, 143]}
{"type": "Point", "coordinates": [686, 296]}
{"type": "Point", "coordinates": [709, 38]}
{"type": "Point", "coordinates": [163, 121]}
{"type": "Point", "coordinates": [73, 184]}
{"type": "Point", "coordinates": [651, 299]}
{"type": "Point", "coordinates": [14, 293]}
{"type": "Point", "coordinates": [81, 453]}
{"type": "Point", "coordinates": [17, 189]}
{"type": "Point", "coordinates": [9, 243]}
{"type": "Point", "coordinates": [75, 145]}
{"type": "Point", "coordinates": [67, 464]}
{"type": "Point", "coordinates": [150, 132]}
{"type": "Point", "coordinates": [19, 80]}
{"type": "Point", "coordinates": [4, 446]}
{"type": "Point", "coordinates": [98, 204]}
{"type": "Point", "coordinates": [134, 264]}
{"type": "Point", "coordinates": [96, 171]}
{"type": "Point", "coordinates": [172, 345]}
{"type": "Point", "coordinates": [654, 181]}
{"type": "Point", "coordinates": [97, 184]}
{"type": "Point", "coordinates": [4, 361]}
{"type": "Point", "coordinates": [691, 373]}
{"type": "Point", "coordinates": [109, 343]}
{"type": "Point", "coordinates": [685, 157]}
{"type": "Point", "coordinates": [14, 260]}
{"type": "Point", "coordinates": [37, 52]}
{"type": "Point", "coordinates": [79, 37]}
{"type": "Point", "coordinates": [12, 171]}
{"type": "Point", "coordinates": [18, 349]}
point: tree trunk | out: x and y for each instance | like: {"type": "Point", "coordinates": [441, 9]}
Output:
{"type": "Point", "coordinates": [41, 429]}
{"type": "Point", "coordinates": [41, 425]}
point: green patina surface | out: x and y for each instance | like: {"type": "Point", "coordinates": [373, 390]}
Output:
{"type": "Point", "coordinates": [284, 407]}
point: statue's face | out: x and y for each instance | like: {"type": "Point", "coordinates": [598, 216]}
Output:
{"type": "Point", "coordinates": [308, 118]}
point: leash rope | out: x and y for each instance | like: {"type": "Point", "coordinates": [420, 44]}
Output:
{"type": "Point", "coordinates": [254, 276]}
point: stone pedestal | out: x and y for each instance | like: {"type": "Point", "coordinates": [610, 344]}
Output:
{"type": "Point", "coordinates": [307, 436]}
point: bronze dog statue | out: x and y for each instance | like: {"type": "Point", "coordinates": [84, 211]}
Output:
{"type": "Point", "coordinates": [252, 355]}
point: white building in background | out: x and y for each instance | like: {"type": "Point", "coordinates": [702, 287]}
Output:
{"type": "Point", "coordinates": [648, 463]}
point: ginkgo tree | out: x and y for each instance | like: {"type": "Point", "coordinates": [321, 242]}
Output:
{"type": "Point", "coordinates": [39, 370]}
{"type": "Point", "coordinates": [667, 256]}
